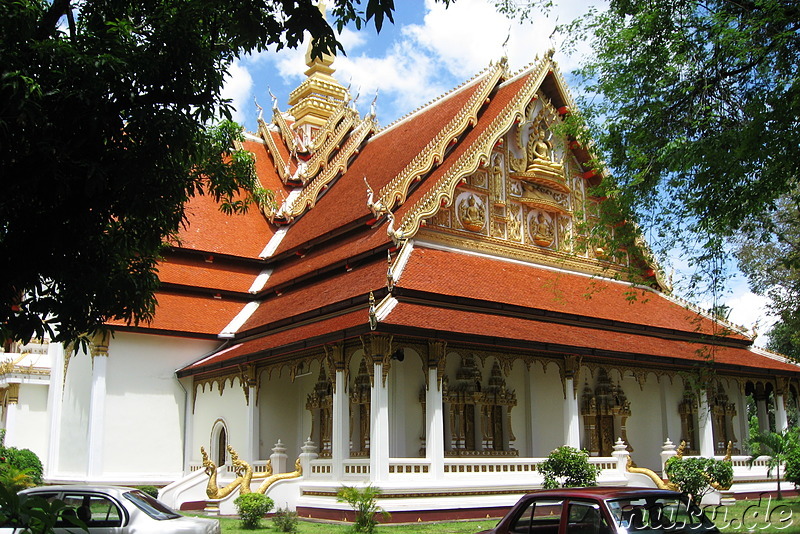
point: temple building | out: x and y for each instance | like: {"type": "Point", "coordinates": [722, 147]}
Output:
{"type": "Point", "coordinates": [422, 308]}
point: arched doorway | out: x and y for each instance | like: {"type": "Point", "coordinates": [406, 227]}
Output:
{"type": "Point", "coordinates": [219, 442]}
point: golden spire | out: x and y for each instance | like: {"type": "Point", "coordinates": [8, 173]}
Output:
{"type": "Point", "coordinates": [320, 94]}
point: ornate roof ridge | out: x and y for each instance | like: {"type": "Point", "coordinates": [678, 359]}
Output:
{"type": "Point", "coordinates": [469, 162]}
{"type": "Point", "coordinates": [709, 314]}
{"type": "Point", "coordinates": [319, 158]}
{"type": "Point", "coordinates": [286, 131]}
{"type": "Point", "coordinates": [462, 86]}
{"type": "Point", "coordinates": [396, 190]}
{"type": "Point", "coordinates": [308, 197]}
{"type": "Point", "coordinates": [282, 166]}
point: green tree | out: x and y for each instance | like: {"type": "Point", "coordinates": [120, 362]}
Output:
{"type": "Point", "coordinates": [780, 446]}
{"type": "Point", "coordinates": [568, 467]}
{"type": "Point", "coordinates": [104, 114]}
{"type": "Point", "coordinates": [693, 106]}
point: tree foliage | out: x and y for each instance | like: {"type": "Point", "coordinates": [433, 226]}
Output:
{"type": "Point", "coordinates": [695, 476]}
{"type": "Point", "coordinates": [104, 136]}
{"type": "Point", "coordinates": [568, 467]}
{"type": "Point", "coordinates": [693, 106]}
{"type": "Point", "coordinates": [780, 446]}
{"type": "Point", "coordinates": [768, 249]}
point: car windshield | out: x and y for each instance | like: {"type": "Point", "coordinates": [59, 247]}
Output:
{"type": "Point", "coordinates": [152, 507]}
{"type": "Point", "coordinates": [658, 513]}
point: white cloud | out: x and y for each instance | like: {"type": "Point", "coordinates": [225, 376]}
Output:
{"type": "Point", "coordinates": [239, 88]}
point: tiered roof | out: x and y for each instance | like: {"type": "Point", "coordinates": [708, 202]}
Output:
{"type": "Point", "coordinates": [364, 212]}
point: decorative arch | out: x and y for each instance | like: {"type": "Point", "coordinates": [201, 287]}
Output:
{"type": "Point", "coordinates": [219, 442]}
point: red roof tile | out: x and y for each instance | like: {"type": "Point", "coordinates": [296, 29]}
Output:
{"type": "Point", "coordinates": [198, 273]}
{"type": "Point", "coordinates": [302, 332]}
{"type": "Point", "coordinates": [564, 338]}
{"type": "Point", "coordinates": [210, 230]}
{"type": "Point", "coordinates": [191, 314]}
{"type": "Point", "coordinates": [516, 283]}
{"type": "Point", "coordinates": [319, 293]}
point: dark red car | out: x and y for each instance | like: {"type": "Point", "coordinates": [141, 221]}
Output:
{"type": "Point", "coordinates": [604, 510]}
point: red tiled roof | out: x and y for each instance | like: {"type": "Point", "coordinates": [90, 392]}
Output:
{"type": "Point", "coordinates": [210, 230]}
{"type": "Point", "coordinates": [319, 293]}
{"type": "Point", "coordinates": [218, 274]}
{"type": "Point", "coordinates": [265, 167]}
{"type": "Point", "coordinates": [328, 254]}
{"type": "Point", "coordinates": [190, 314]}
{"type": "Point", "coordinates": [519, 284]}
{"type": "Point", "coordinates": [299, 333]}
{"type": "Point", "coordinates": [381, 159]}
{"type": "Point", "coordinates": [566, 338]}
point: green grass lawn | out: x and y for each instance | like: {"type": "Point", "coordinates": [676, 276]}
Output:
{"type": "Point", "coordinates": [766, 516]}
{"type": "Point", "coordinates": [232, 525]}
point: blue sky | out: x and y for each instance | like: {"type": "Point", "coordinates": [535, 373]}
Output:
{"type": "Point", "coordinates": [428, 51]}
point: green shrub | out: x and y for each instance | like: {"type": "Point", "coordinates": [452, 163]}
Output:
{"type": "Point", "coordinates": [792, 468]}
{"type": "Point", "coordinates": [252, 507]}
{"type": "Point", "coordinates": [15, 479]}
{"type": "Point", "coordinates": [570, 466]}
{"type": "Point", "coordinates": [150, 490]}
{"type": "Point", "coordinates": [364, 502]}
{"type": "Point", "coordinates": [24, 460]}
{"type": "Point", "coordinates": [695, 475]}
{"type": "Point", "coordinates": [285, 520]}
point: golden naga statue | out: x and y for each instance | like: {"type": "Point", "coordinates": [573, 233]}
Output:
{"type": "Point", "coordinates": [659, 482]}
{"type": "Point", "coordinates": [298, 471]}
{"type": "Point", "coordinates": [244, 476]}
{"type": "Point", "coordinates": [244, 473]}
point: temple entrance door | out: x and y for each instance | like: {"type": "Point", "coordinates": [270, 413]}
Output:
{"type": "Point", "coordinates": [605, 425]}
{"type": "Point", "coordinates": [222, 446]}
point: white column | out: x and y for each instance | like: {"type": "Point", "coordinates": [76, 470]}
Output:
{"type": "Point", "coordinates": [705, 429]}
{"type": "Point", "coordinates": [12, 407]}
{"type": "Point", "coordinates": [253, 425]}
{"type": "Point", "coordinates": [434, 424]}
{"type": "Point", "coordinates": [781, 420]}
{"type": "Point", "coordinates": [572, 429]}
{"type": "Point", "coordinates": [340, 427]}
{"type": "Point", "coordinates": [379, 427]}
{"type": "Point", "coordinates": [54, 406]}
{"type": "Point", "coordinates": [97, 409]}
{"type": "Point", "coordinates": [761, 412]}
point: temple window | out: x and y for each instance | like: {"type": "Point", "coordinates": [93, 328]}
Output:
{"type": "Point", "coordinates": [320, 403]}
{"type": "Point", "coordinates": [605, 412]}
{"type": "Point", "coordinates": [360, 398]}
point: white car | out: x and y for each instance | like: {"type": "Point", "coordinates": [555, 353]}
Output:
{"type": "Point", "coordinates": [119, 510]}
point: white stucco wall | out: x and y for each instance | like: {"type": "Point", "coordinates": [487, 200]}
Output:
{"type": "Point", "coordinates": [645, 423]}
{"type": "Point", "coordinates": [406, 381]}
{"type": "Point", "coordinates": [547, 403]}
{"type": "Point", "coordinates": [143, 423]}
{"type": "Point", "coordinates": [283, 414]}
{"type": "Point", "coordinates": [228, 407]}
{"type": "Point", "coordinates": [518, 381]}
{"type": "Point", "coordinates": [31, 420]}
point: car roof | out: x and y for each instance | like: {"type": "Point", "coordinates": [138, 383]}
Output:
{"type": "Point", "coordinates": [79, 487]}
{"type": "Point", "coordinates": [600, 492]}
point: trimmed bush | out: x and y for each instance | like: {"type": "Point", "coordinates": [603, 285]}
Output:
{"type": "Point", "coordinates": [24, 460]}
{"type": "Point", "coordinates": [571, 467]}
{"type": "Point", "coordinates": [694, 475]}
{"type": "Point", "coordinates": [285, 520]}
{"type": "Point", "coordinates": [251, 508]}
